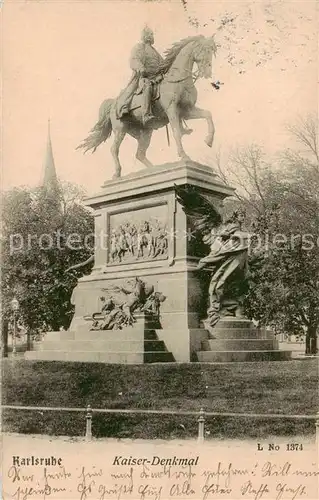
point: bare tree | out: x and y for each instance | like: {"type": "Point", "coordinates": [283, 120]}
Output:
{"type": "Point", "coordinates": [305, 131]}
{"type": "Point", "coordinates": [245, 168]}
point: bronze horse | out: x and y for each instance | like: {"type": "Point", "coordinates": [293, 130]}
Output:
{"type": "Point", "coordinates": [176, 102]}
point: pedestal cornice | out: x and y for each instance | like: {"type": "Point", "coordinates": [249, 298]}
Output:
{"type": "Point", "coordinates": [160, 178]}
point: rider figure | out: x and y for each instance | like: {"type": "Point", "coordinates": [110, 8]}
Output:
{"type": "Point", "coordinates": [145, 62]}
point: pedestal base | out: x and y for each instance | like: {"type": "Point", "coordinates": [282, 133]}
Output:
{"type": "Point", "coordinates": [142, 231]}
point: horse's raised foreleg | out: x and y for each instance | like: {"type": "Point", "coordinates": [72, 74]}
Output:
{"type": "Point", "coordinates": [196, 113]}
{"type": "Point", "coordinates": [119, 134]}
{"type": "Point", "coordinates": [144, 139]}
{"type": "Point", "coordinates": [174, 119]}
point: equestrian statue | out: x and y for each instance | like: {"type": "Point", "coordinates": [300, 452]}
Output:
{"type": "Point", "coordinates": [161, 91]}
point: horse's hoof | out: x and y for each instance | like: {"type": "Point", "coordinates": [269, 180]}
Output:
{"type": "Point", "coordinates": [145, 161]}
{"type": "Point", "coordinates": [117, 175]}
{"type": "Point", "coordinates": [185, 159]}
{"type": "Point", "coordinates": [209, 141]}
{"type": "Point", "coordinates": [187, 131]}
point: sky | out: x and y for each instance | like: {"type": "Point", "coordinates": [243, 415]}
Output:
{"type": "Point", "coordinates": [62, 58]}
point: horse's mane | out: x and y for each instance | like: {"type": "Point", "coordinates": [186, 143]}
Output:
{"type": "Point", "coordinates": [171, 54]}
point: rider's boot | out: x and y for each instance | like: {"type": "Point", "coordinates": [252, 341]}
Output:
{"type": "Point", "coordinates": [147, 96]}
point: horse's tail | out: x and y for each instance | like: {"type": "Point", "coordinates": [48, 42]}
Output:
{"type": "Point", "coordinates": [101, 130]}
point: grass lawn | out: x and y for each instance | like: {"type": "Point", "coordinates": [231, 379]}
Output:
{"type": "Point", "coordinates": [268, 387]}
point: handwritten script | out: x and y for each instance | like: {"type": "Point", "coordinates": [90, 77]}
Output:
{"type": "Point", "coordinates": [209, 479]}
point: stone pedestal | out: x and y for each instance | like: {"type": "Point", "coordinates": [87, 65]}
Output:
{"type": "Point", "coordinates": [148, 197]}
{"type": "Point", "coordinates": [142, 231]}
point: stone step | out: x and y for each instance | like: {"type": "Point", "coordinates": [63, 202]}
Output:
{"type": "Point", "coordinates": [158, 357]}
{"type": "Point", "coordinates": [232, 323]}
{"type": "Point", "coordinates": [239, 345]}
{"type": "Point", "coordinates": [240, 333]}
{"type": "Point", "coordinates": [241, 356]}
{"type": "Point", "coordinates": [101, 345]}
{"type": "Point", "coordinates": [128, 333]}
{"type": "Point", "coordinates": [86, 356]}
{"type": "Point", "coordinates": [101, 357]}
{"type": "Point", "coordinates": [141, 319]}
{"type": "Point", "coordinates": [57, 335]}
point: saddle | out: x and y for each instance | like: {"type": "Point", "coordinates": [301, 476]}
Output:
{"type": "Point", "coordinates": [136, 87]}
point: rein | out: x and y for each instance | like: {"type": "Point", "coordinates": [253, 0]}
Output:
{"type": "Point", "coordinates": [194, 75]}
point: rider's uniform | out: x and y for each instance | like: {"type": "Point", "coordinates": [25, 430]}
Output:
{"type": "Point", "coordinates": [145, 62]}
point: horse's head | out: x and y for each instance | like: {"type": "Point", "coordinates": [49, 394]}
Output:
{"type": "Point", "coordinates": [203, 53]}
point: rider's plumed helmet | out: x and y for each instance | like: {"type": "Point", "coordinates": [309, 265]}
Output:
{"type": "Point", "coordinates": [147, 35]}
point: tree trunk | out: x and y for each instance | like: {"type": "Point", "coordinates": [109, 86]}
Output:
{"type": "Point", "coordinates": [29, 343]}
{"type": "Point", "coordinates": [311, 339]}
{"type": "Point", "coordinates": [4, 339]}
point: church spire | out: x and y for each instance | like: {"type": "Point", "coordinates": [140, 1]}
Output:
{"type": "Point", "coordinates": [50, 180]}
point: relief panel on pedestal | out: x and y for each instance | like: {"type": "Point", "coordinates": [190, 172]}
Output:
{"type": "Point", "coordinates": [140, 235]}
